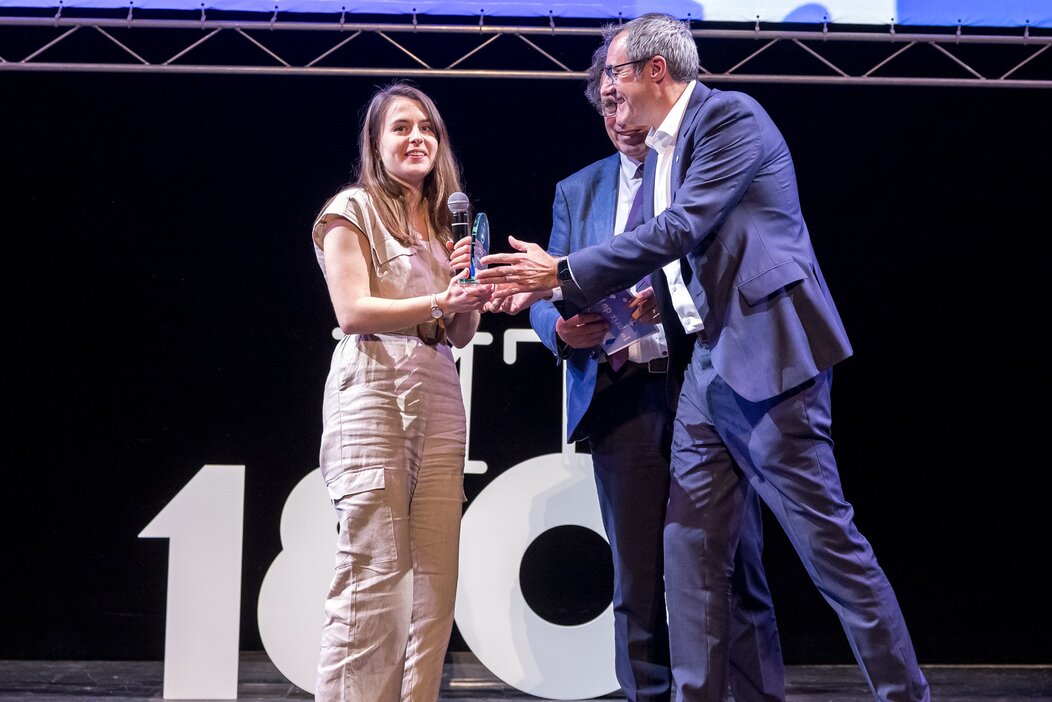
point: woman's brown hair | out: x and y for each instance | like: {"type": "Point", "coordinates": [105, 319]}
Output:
{"type": "Point", "coordinates": [387, 194]}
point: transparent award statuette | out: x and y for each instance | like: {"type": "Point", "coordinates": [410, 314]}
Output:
{"type": "Point", "coordinates": [479, 247]}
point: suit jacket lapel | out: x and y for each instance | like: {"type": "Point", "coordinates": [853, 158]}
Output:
{"type": "Point", "coordinates": [604, 202]}
{"type": "Point", "coordinates": [649, 166]}
{"type": "Point", "coordinates": [680, 159]}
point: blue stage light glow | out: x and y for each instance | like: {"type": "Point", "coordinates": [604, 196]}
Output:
{"type": "Point", "coordinates": [1004, 13]}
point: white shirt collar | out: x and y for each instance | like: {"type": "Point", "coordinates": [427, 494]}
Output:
{"type": "Point", "coordinates": [628, 165]}
{"type": "Point", "coordinates": [664, 137]}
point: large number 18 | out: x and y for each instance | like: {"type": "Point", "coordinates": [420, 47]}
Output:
{"type": "Point", "coordinates": [204, 523]}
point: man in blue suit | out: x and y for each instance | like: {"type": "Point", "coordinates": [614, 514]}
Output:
{"type": "Point", "coordinates": [624, 410]}
{"type": "Point", "coordinates": [755, 407]}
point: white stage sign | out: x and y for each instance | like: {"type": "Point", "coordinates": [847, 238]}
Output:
{"type": "Point", "coordinates": [204, 523]}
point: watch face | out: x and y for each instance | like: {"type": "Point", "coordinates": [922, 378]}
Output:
{"type": "Point", "coordinates": [436, 313]}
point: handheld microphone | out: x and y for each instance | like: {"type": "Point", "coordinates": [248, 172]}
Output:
{"type": "Point", "coordinates": [458, 207]}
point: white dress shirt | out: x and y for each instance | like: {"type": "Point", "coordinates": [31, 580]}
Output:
{"type": "Point", "coordinates": [663, 141]}
{"type": "Point", "coordinates": [654, 346]}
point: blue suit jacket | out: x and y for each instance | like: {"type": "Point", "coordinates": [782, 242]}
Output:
{"type": "Point", "coordinates": [582, 215]}
{"type": "Point", "coordinates": [735, 218]}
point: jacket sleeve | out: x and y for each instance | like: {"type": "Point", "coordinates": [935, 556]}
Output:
{"type": "Point", "coordinates": [726, 155]}
{"type": "Point", "coordinates": [543, 314]}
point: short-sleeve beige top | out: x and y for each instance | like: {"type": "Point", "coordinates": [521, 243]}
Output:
{"type": "Point", "coordinates": [396, 271]}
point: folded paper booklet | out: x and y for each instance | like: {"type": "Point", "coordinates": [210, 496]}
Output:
{"type": "Point", "coordinates": [623, 329]}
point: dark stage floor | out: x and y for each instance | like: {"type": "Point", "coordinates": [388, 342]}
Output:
{"type": "Point", "coordinates": [466, 679]}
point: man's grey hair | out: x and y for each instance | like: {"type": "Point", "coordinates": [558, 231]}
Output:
{"type": "Point", "coordinates": [655, 34]}
{"type": "Point", "coordinates": [595, 78]}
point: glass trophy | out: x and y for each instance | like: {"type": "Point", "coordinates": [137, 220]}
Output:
{"type": "Point", "coordinates": [479, 247]}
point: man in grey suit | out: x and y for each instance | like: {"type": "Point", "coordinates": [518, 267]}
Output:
{"type": "Point", "coordinates": [624, 410]}
{"type": "Point", "coordinates": [755, 407]}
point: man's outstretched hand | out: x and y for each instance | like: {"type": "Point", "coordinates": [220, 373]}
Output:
{"type": "Point", "coordinates": [529, 270]}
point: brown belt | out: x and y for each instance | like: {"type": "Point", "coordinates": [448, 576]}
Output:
{"type": "Point", "coordinates": [431, 333]}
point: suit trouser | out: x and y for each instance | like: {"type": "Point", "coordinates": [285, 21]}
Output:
{"type": "Point", "coordinates": [782, 447]}
{"type": "Point", "coordinates": [392, 411]}
{"type": "Point", "coordinates": [629, 425]}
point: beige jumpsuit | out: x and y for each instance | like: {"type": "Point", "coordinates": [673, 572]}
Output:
{"type": "Point", "coordinates": [392, 454]}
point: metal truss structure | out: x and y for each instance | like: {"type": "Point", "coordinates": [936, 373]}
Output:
{"type": "Point", "coordinates": [826, 55]}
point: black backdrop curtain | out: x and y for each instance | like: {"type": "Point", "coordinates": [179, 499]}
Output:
{"type": "Point", "coordinates": [163, 310]}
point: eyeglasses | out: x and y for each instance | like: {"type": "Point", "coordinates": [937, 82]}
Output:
{"type": "Point", "coordinates": [613, 73]}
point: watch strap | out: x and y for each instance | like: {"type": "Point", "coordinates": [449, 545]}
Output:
{"type": "Point", "coordinates": [562, 270]}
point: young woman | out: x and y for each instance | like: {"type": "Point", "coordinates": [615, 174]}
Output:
{"type": "Point", "coordinates": [392, 449]}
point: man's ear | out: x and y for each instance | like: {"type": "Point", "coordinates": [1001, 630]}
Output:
{"type": "Point", "coordinates": [658, 69]}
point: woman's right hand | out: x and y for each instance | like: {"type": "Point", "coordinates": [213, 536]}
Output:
{"type": "Point", "coordinates": [459, 254]}
{"type": "Point", "coordinates": [463, 298]}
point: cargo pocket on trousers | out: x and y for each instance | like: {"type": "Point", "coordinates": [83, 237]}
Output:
{"type": "Point", "coordinates": [367, 532]}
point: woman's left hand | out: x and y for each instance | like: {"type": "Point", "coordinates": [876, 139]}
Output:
{"type": "Point", "coordinates": [464, 298]}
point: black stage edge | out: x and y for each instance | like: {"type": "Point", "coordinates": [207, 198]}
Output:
{"type": "Point", "coordinates": [465, 678]}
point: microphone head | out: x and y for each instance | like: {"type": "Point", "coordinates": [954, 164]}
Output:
{"type": "Point", "coordinates": [458, 202]}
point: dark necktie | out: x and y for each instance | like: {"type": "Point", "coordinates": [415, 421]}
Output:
{"type": "Point", "coordinates": [635, 213]}
{"type": "Point", "coordinates": [635, 218]}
